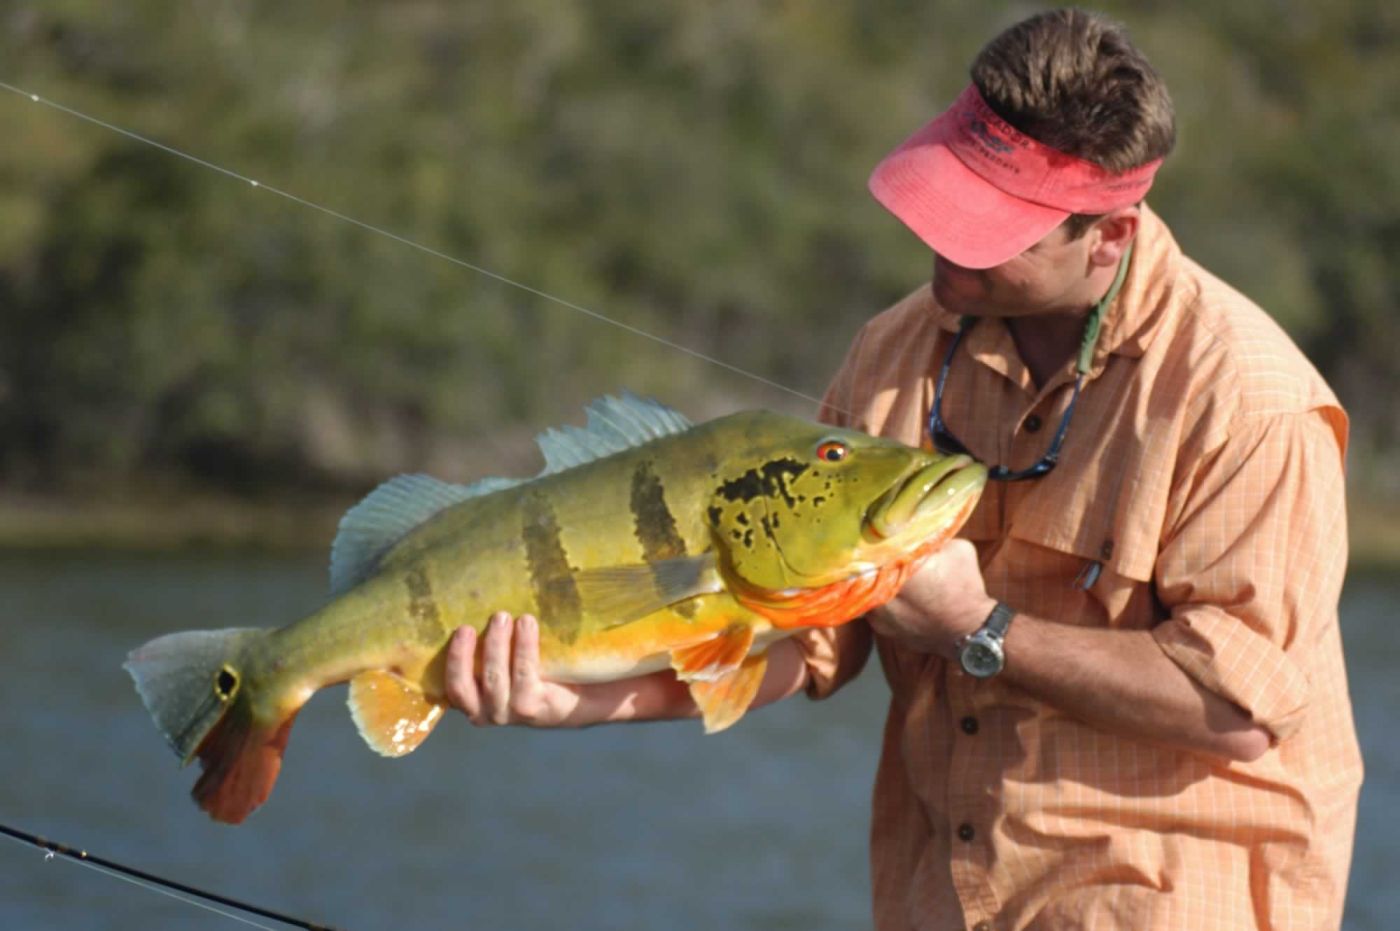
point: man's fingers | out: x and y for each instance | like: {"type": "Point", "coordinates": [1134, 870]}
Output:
{"type": "Point", "coordinates": [495, 669]}
{"type": "Point", "coordinates": [505, 686]}
{"type": "Point", "coordinates": [460, 683]}
{"type": "Point", "coordinates": [525, 668]}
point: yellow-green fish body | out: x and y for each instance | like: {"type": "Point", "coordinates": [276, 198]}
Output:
{"type": "Point", "coordinates": [646, 543]}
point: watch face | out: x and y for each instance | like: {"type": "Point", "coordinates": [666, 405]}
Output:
{"type": "Point", "coordinates": [982, 657]}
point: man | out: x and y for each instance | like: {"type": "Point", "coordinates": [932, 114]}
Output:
{"type": "Point", "coordinates": [1120, 702]}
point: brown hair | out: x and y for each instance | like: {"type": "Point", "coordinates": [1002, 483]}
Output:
{"type": "Point", "coordinates": [1072, 80]}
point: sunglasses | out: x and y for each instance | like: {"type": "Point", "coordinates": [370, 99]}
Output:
{"type": "Point", "coordinates": [946, 443]}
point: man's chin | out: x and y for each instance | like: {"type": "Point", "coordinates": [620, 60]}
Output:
{"type": "Point", "coordinates": [951, 298]}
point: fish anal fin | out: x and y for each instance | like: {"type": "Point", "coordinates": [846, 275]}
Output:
{"type": "Point", "coordinates": [715, 658]}
{"type": "Point", "coordinates": [240, 761]}
{"type": "Point", "coordinates": [724, 701]}
{"type": "Point", "coordinates": [392, 715]}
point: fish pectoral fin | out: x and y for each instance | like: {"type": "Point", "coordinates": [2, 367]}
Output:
{"type": "Point", "coordinates": [713, 659]}
{"type": "Point", "coordinates": [393, 715]}
{"type": "Point", "coordinates": [623, 594]}
{"type": "Point", "coordinates": [724, 700]}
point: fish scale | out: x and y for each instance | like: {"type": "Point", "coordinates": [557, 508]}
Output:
{"type": "Point", "coordinates": [647, 543]}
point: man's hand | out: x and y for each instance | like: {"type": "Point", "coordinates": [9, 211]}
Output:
{"type": "Point", "coordinates": [508, 689]}
{"type": "Point", "coordinates": [944, 601]}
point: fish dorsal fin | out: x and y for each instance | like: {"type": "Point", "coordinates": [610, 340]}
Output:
{"type": "Point", "coordinates": [614, 424]}
{"type": "Point", "coordinates": [394, 509]}
{"type": "Point", "coordinates": [387, 514]}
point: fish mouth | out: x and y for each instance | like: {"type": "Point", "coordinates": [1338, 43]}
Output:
{"type": "Point", "coordinates": [931, 491]}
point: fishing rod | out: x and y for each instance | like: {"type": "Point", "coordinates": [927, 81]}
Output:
{"type": "Point", "coordinates": [147, 880]}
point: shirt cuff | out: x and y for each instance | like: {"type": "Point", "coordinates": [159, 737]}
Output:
{"type": "Point", "coordinates": [834, 655]}
{"type": "Point", "coordinates": [1227, 657]}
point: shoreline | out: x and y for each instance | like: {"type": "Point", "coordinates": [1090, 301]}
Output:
{"type": "Point", "coordinates": [153, 522]}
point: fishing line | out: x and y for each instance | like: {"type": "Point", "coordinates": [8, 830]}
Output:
{"type": "Point", "coordinates": [166, 887]}
{"type": "Point", "coordinates": [404, 240]}
{"type": "Point", "coordinates": [175, 889]}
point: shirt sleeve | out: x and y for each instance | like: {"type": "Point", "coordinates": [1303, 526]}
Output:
{"type": "Point", "coordinates": [836, 655]}
{"type": "Point", "coordinates": [1251, 569]}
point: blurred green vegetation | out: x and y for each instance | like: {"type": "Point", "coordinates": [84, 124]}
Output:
{"type": "Point", "coordinates": [696, 170]}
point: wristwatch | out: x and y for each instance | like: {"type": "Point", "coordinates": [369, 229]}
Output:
{"type": "Point", "coordinates": [981, 652]}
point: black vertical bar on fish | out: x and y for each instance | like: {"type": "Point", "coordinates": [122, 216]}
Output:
{"type": "Point", "coordinates": [652, 519]}
{"type": "Point", "coordinates": [551, 577]}
{"type": "Point", "coordinates": [82, 856]}
{"type": "Point", "coordinates": [654, 524]}
{"type": "Point", "coordinates": [422, 606]}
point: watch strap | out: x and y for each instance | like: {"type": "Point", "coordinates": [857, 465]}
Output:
{"type": "Point", "coordinates": [999, 621]}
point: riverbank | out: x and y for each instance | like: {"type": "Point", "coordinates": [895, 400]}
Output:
{"type": "Point", "coordinates": [156, 521]}
{"type": "Point", "coordinates": [153, 521]}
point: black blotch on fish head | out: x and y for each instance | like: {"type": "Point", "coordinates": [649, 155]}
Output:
{"type": "Point", "coordinates": [770, 479]}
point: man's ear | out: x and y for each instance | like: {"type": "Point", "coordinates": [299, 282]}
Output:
{"type": "Point", "coordinates": [1112, 234]}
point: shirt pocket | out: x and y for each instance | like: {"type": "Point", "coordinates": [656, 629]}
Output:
{"type": "Point", "coordinates": [1080, 552]}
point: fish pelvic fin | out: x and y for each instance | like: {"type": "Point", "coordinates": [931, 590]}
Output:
{"type": "Point", "coordinates": [392, 715]}
{"type": "Point", "coordinates": [192, 683]}
{"type": "Point", "coordinates": [722, 676]}
{"type": "Point", "coordinates": [725, 700]}
{"type": "Point", "coordinates": [714, 657]}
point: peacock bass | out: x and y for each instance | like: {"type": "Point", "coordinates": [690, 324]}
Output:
{"type": "Point", "coordinates": [647, 542]}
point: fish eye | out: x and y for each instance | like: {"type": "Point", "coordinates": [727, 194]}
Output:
{"type": "Point", "coordinates": [225, 683]}
{"type": "Point", "coordinates": [832, 451]}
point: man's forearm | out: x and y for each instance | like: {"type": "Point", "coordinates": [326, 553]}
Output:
{"type": "Point", "coordinates": [1122, 681]}
{"type": "Point", "coordinates": [661, 697]}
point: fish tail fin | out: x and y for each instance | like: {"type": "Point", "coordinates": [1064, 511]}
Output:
{"type": "Point", "coordinates": [241, 759]}
{"type": "Point", "coordinates": [193, 685]}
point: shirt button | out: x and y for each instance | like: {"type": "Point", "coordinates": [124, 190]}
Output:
{"type": "Point", "coordinates": [966, 832]}
{"type": "Point", "coordinates": [1032, 423]}
{"type": "Point", "coordinates": [1106, 551]}
{"type": "Point", "coordinates": [982, 926]}
{"type": "Point", "coordinates": [969, 725]}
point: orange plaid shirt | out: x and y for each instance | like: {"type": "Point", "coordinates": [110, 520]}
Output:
{"type": "Point", "coordinates": [1203, 473]}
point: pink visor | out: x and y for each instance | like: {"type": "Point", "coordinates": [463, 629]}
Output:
{"type": "Point", "coordinates": [980, 192]}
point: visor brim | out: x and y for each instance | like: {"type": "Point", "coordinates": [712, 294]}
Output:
{"type": "Point", "coordinates": [959, 214]}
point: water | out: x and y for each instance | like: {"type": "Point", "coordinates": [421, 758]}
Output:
{"type": "Point", "coordinates": [646, 826]}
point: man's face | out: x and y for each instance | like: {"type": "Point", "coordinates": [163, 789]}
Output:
{"type": "Point", "coordinates": [1048, 278]}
